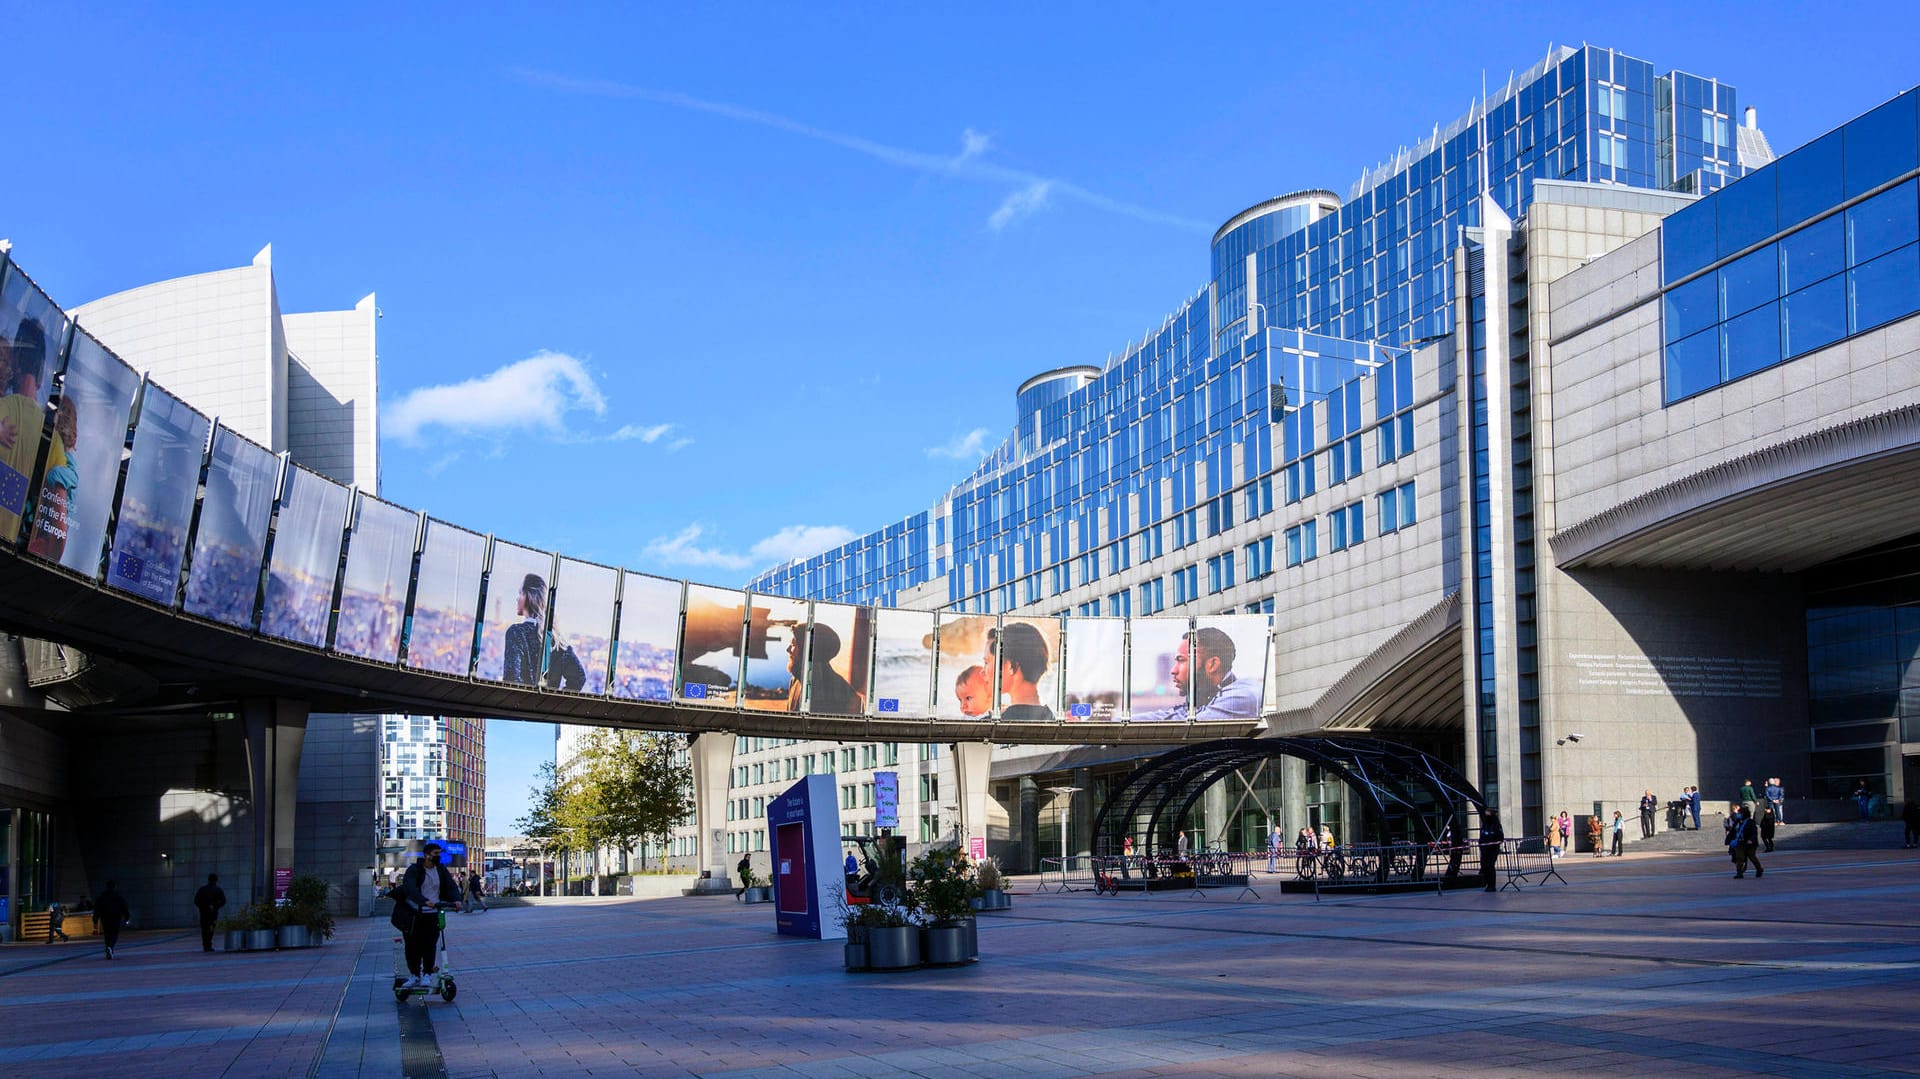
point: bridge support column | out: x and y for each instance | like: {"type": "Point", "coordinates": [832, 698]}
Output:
{"type": "Point", "coordinates": [1216, 809]}
{"type": "Point", "coordinates": [971, 761]}
{"type": "Point", "coordinates": [275, 729]}
{"type": "Point", "coordinates": [1293, 798]}
{"type": "Point", "coordinates": [1081, 822]}
{"type": "Point", "coordinates": [1029, 827]}
{"type": "Point", "coordinates": [711, 754]}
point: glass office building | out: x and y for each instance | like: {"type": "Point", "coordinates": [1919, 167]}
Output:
{"type": "Point", "coordinates": [1106, 472]}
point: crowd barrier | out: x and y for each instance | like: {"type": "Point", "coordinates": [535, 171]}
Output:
{"type": "Point", "coordinates": [1362, 866]}
{"type": "Point", "coordinates": [1526, 858]}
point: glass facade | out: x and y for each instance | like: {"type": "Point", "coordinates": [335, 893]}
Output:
{"type": "Point", "coordinates": [1133, 459]}
{"type": "Point", "coordinates": [1820, 245]}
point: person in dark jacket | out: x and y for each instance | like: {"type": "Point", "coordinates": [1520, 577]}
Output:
{"type": "Point", "coordinates": [426, 887]}
{"type": "Point", "coordinates": [1743, 843]}
{"type": "Point", "coordinates": [111, 909]}
{"type": "Point", "coordinates": [1911, 817]}
{"type": "Point", "coordinates": [1767, 823]}
{"type": "Point", "coordinates": [208, 901]}
{"type": "Point", "coordinates": [523, 641]}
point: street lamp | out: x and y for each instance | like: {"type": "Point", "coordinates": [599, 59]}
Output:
{"type": "Point", "coordinates": [1066, 809]}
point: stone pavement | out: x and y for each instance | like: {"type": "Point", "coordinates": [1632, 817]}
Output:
{"type": "Point", "coordinates": [1649, 964]}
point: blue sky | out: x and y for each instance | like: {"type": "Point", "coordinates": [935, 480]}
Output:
{"type": "Point", "coordinates": [697, 289]}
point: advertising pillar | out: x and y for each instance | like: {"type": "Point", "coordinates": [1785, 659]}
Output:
{"type": "Point", "coordinates": [803, 826]}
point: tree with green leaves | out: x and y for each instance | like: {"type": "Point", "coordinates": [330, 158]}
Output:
{"type": "Point", "coordinates": [633, 789]}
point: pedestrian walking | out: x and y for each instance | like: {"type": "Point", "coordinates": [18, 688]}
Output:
{"type": "Point", "coordinates": [1180, 846]}
{"type": "Point", "coordinates": [1619, 832]}
{"type": "Point", "coordinates": [1566, 831]}
{"type": "Point", "coordinates": [426, 887]}
{"type": "Point", "coordinates": [56, 920]}
{"type": "Point", "coordinates": [111, 908]}
{"type": "Point", "coordinates": [1273, 849]}
{"type": "Point", "coordinates": [1912, 819]}
{"type": "Point", "coordinates": [1743, 843]}
{"type": "Point", "coordinates": [1648, 803]}
{"type": "Point", "coordinates": [476, 890]}
{"type": "Point", "coordinates": [1766, 827]}
{"type": "Point", "coordinates": [208, 901]}
{"type": "Point", "coordinates": [1863, 797]}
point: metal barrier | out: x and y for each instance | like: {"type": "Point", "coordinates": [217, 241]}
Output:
{"type": "Point", "coordinates": [1194, 874]}
{"type": "Point", "coordinates": [1072, 873]}
{"type": "Point", "coordinates": [1361, 866]}
{"type": "Point", "coordinates": [1519, 865]}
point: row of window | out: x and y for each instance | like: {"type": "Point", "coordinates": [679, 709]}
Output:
{"type": "Point", "coordinates": [1347, 526]}
{"type": "Point", "coordinates": [845, 759]}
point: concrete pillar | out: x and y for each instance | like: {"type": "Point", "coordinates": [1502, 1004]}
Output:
{"type": "Point", "coordinates": [1293, 797]}
{"type": "Point", "coordinates": [275, 729]}
{"type": "Point", "coordinates": [711, 754]}
{"type": "Point", "coordinates": [971, 761]}
{"type": "Point", "coordinates": [1215, 808]}
{"type": "Point", "coordinates": [1081, 819]}
{"type": "Point", "coordinates": [1029, 825]}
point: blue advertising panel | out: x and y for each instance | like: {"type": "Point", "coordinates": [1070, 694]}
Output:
{"type": "Point", "coordinates": [305, 560]}
{"type": "Point", "coordinates": [223, 579]}
{"type": "Point", "coordinates": [31, 332]}
{"type": "Point", "coordinates": [804, 826]}
{"type": "Point", "coordinates": [83, 460]}
{"type": "Point", "coordinates": [886, 799]}
{"type": "Point", "coordinates": [445, 597]}
{"type": "Point", "coordinates": [644, 655]}
{"type": "Point", "coordinates": [373, 588]}
{"type": "Point", "coordinates": [150, 537]}
{"type": "Point", "coordinates": [581, 638]}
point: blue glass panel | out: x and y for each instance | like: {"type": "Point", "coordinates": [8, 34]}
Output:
{"type": "Point", "coordinates": [223, 580]}
{"type": "Point", "coordinates": [1882, 223]}
{"type": "Point", "coordinates": [1746, 212]}
{"type": "Point", "coordinates": [1886, 288]}
{"type": "Point", "coordinates": [156, 503]}
{"type": "Point", "coordinates": [1687, 240]}
{"type": "Point", "coordinates": [1693, 365]}
{"type": "Point", "coordinates": [1752, 341]}
{"type": "Point", "coordinates": [1817, 316]}
{"type": "Point", "coordinates": [1749, 282]}
{"type": "Point", "coordinates": [1809, 180]}
{"type": "Point", "coordinates": [1692, 307]}
{"type": "Point", "coordinates": [1880, 145]}
{"type": "Point", "coordinates": [1813, 254]}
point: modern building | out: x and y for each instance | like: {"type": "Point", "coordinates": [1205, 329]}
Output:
{"type": "Point", "coordinates": [1389, 422]}
{"type": "Point", "coordinates": [433, 784]}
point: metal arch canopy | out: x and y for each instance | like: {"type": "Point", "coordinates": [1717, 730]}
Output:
{"type": "Point", "coordinates": [1392, 781]}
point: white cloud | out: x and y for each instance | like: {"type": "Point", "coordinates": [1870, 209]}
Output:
{"type": "Point", "coordinates": [794, 541]}
{"type": "Point", "coordinates": [635, 432]}
{"type": "Point", "coordinates": [537, 392]}
{"type": "Point", "coordinates": [968, 165]}
{"type": "Point", "coordinates": [679, 444]}
{"type": "Point", "coordinates": [964, 447]}
{"type": "Point", "coordinates": [1019, 204]}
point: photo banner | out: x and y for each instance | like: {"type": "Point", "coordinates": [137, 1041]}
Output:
{"type": "Point", "coordinates": [230, 543]}
{"type": "Point", "coordinates": [776, 654]}
{"type": "Point", "coordinates": [902, 664]}
{"type": "Point", "coordinates": [580, 644]}
{"type": "Point", "coordinates": [373, 589]}
{"type": "Point", "coordinates": [711, 643]}
{"type": "Point", "coordinates": [83, 462]}
{"type": "Point", "coordinates": [305, 559]}
{"type": "Point", "coordinates": [156, 505]}
{"type": "Point", "coordinates": [439, 634]}
{"type": "Point", "coordinates": [513, 628]}
{"type": "Point", "coordinates": [32, 330]}
{"type": "Point", "coordinates": [839, 659]}
{"type": "Point", "coordinates": [1027, 653]}
{"type": "Point", "coordinates": [1157, 687]}
{"type": "Point", "coordinates": [1229, 666]}
{"type": "Point", "coordinates": [648, 643]}
{"type": "Point", "coordinates": [963, 682]}
{"type": "Point", "coordinates": [1096, 669]}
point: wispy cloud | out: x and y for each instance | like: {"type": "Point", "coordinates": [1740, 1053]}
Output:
{"type": "Point", "coordinates": [679, 444]}
{"type": "Point", "coordinates": [967, 165]}
{"type": "Point", "coordinates": [534, 393]}
{"type": "Point", "coordinates": [1019, 204]}
{"type": "Point", "coordinates": [635, 432]}
{"type": "Point", "coordinates": [684, 548]}
{"type": "Point", "coordinates": [964, 447]}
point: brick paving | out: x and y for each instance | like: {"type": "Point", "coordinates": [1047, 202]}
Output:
{"type": "Point", "coordinates": [1652, 963]}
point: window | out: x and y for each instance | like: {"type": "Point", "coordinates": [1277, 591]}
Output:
{"type": "Point", "coordinates": [1150, 545]}
{"type": "Point", "coordinates": [1219, 515]}
{"type": "Point", "coordinates": [1186, 584]}
{"type": "Point", "coordinates": [1089, 567]}
{"type": "Point", "coordinates": [1152, 596]}
{"type": "Point", "coordinates": [1120, 605]}
{"type": "Point", "coordinates": [1219, 573]}
{"type": "Point", "coordinates": [1302, 543]}
{"type": "Point", "coordinates": [1060, 578]}
{"type": "Point", "coordinates": [1259, 496]}
{"type": "Point", "coordinates": [1259, 558]}
{"type": "Point", "coordinates": [1346, 526]}
{"type": "Point", "coordinates": [1396, 508]}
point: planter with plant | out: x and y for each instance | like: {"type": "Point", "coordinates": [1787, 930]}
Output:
{"type": "Point", "coordinates": [233, 932]}
{"type": "Point", "coordinates": [260, 923]}
{"type": "Point", "coordinates": [754, 889]}
{"type": "Point", "coordinates": [881, 934]}
{"type": "Point", "coordinates": [942, 899]}
{"type": "Point", "coordinates": [306, 921]}
{"type": "Point", "coordinates": [992, 892]}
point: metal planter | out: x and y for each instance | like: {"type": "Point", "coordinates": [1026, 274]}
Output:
{"type": "Point", "coordinates": [992, 900]}
{"type": "Point", "coordinates": [944, 945]}
{"type": "Point", "coordinates": [856, 956]}
{"type": "Point", "coordinates": [894, 947]}
{"type": "Point", "coordinates": [260, 940]}
{"type": "Point", "coordinates": [234, 940]}
{"type": "Point", "coordinates": [295, 936]}
{"type": "Point", "coordinates": [757, 895]}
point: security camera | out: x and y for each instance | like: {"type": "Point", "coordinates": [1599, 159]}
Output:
{"type": "Point", "coordinates": [1574, 737]}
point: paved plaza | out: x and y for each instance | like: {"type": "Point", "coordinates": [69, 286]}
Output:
{"type": "Point", "coordinates": [1652, 964]}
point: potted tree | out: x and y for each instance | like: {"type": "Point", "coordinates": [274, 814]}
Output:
{"type": "Point", "coordinates": [261, 922]}
{"type": "Point", "coordinates": [893, 940]}
{"type": "Point", "coordinates": [943, 900]}
{"type": "Point", "coordinates": [992, 887]}
{"type": "Point", "coordinates": [307, 921]}
{"type": "Point", "coordinates": [752, 888]}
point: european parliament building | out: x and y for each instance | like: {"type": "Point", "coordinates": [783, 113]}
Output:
{"type": "Point", "coordinates": [1567, 446]}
